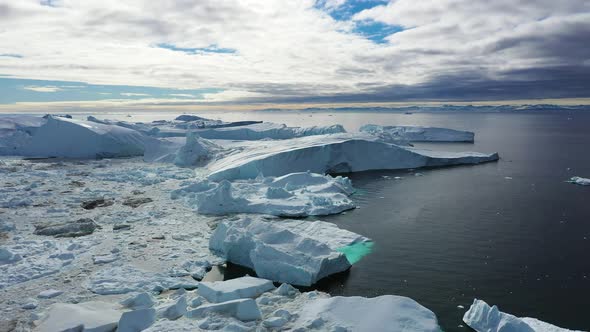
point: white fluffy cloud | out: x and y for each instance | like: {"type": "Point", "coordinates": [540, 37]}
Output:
{"type": "Point", "coordinates": [290, 50]}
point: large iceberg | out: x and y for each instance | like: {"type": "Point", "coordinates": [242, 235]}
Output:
{"type": "Point", "coordinates": [16, 132]}
{"type": "Point", "coordinates": [61, 137]}
{"type": "Point", "coordinates": [336, 153]}
{"type": "Point", "coordinates": [298, 252]}
{"type": "Point", "coordinates": [292, 195]}
{"type": "Point", "coordinates": [383, 313]}
{"type": "Point", "coordinates": [264, 130]}
{"type": "Point", "coordinates": [483, 318]}
{"type": "Point", "coordinates": [417, 133]}
{"type": "Point", "coordinates": [190, 151]}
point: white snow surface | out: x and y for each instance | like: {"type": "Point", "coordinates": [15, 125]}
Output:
{"type": "Point", "coordinates": [68, 138]}
{"type": "Point", "coordinates": [267, 130]}
{"type": "Point", "coordinates": [579, 180]}
{"type": "Point", "coordinates": [292, 195]}
{"type": "Point", "coordinates": [336, 153]}
{"type": "Point", "coordinates": [383, 313]}
{"type": "Point", "coordinates": [239, 288]}
{"type": "Point", "coordinates": [394, 134]}
{"type": "Point", "coordinates": [298, 252]}
{"type": "Point", "coordinates": [483, 318]}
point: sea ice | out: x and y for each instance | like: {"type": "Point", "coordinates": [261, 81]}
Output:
{"type": "Point", "coordinates": [173, 310]}
{"type": "Point", "coordinates": [580, 181]}
{"type": "Point", "coordinates": [125, 279]}
{"type": "Point", "coordinates": [336, 153]}
{"type": "Point", "coordinates": [92, 316]}
{"type": "Point", "coordinates": [298, 252]}
{"type": "Point", "coordinates": [7, 257]}
{"type": "Point", "coordinates": [50, 293]}
{"type": "Point", "coordinates": [417, 133]}
{"type": "Point", "coordinates": [242, 309]}
{"type": "Point", "coordinates": [292, 195]}
{"type": "Point", "coordinates": [483, 318]}
{"type": "Point", "coordinates": [383, 313]}
{"type": "Point", "coordinates": [240, 288]}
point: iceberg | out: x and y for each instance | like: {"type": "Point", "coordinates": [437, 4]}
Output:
{"type": "Point", "coordinates": [16, 132]}
{"type": "Point", "coordinates": [336, 153]}
{"type": "Point", "coordinates": [483, 318]}
{"type": "Point", "coordinates": [383, 313]}
{"type": "Point", "coordinates": [68, 138]}
{"type": "Point", "coordinates": [292, 195]}
{"type": "Point", "coordinates": [580, 181]}
{"type": "Point", "coordinates": [417, 133]}
{"type": "Point", "coordinates": [190, 151]}
{"type": "Point", "coordinates": [239, 288]}
{"type": "Point", "coordinates": [266, 130]}
{"type": "Point", "coordinates": [298, 252]}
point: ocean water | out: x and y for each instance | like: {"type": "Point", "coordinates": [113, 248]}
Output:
{"type": "Point", "coordinates": [512, 233]}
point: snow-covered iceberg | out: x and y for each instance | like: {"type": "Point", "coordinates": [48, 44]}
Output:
{"type": "Point", "coordinates": [190, 151]}
{"type": "Point", "coordinates": [298, 252]}
{"type": "Point", "coordinates": [292, 195]}
{"type": "Point", "coordinates": [16, 132]}
{"type": "Point", "coordinates": [336, 153]}
{"type": "Point", "coordinates": [269, 130]}
{"type": "Point", "coordinates": [483, 318]}
{"type": "Point", "coordinates": [383, 313]}
{"type": "Point", "coordinates": [394, 134]}
{"type": "Point", "coordinates": [68, 138]}
{"type": "Point", "coordinates": [239, 288]}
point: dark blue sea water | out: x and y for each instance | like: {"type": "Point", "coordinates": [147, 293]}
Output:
{"type": "Point", "coordinates": [512, 233]}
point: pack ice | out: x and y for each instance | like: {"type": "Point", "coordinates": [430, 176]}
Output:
{"type": "Point", "coordinates": [483, 318]}
{"type": "Point", "coordinates": [383, 313]}
{"type": "Point", "coordinates": [336, 153]}
{"type": "Point", "coordinates": [417, 133]}
{"type": "Point", "coordinates": [292, 195]}
{"type": "Point", "coordinates": [298, 252]}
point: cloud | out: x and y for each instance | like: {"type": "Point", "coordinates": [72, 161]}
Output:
{"type": "Point", "coordinates": [183, 95]}
{"type": "Point", "coordinates": [133, 94]}
{"type": "Point", "coordinates": [48, 88]}
{"type": "Point", "coordinates": [306, 50]}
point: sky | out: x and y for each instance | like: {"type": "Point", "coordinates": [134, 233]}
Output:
{"type": "Point", "coordinates": [146, 53]}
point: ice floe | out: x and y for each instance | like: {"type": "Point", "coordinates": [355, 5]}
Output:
{"type": "Point", "coordinates": [242, 309]}
{"type": "Point", "coordinates": [240, 288]}
{"type": "Point", "coordinates": [93, 316]}
{"type": "Point", "coordinates": [298, 252]}
{"type": "Point", "coordinates": [336, 153]}
{"type": "Point", "coordinates": [291, 195]}
{"type": "Point", "coordinates": [417, 133]}
{"type": "Point", "coordinates": [580, 181]}
{"type": "Point", "coordinates": [483, 318]}
{"type": "Point", "coordinates": [383, 313]}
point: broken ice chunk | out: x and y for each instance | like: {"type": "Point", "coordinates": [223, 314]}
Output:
{"type": "Point", "coordinates": [244, 287]}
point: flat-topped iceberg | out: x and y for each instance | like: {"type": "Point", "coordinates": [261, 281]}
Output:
{"type": "Point", "coordinates": [292, 195]}
{"type": "Point", "coordinates": [239, 288]}
{"type": "Point", "coordinates": [393, 134]}
{"type": "Point", "coordinates": [483, 318]}
{"type": "Point", "coordinates": [383, 313]}
{"type": "Point", "coordinates": [88, 316]}
{"type": "Point", "coordinates": [269, 130]}
{"type": "Point", "coordinates": [336, 153]}
{"type": "Point", "coordinates": [68, 138]}
{"type": "Point", "coordinates": [299, 252]}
